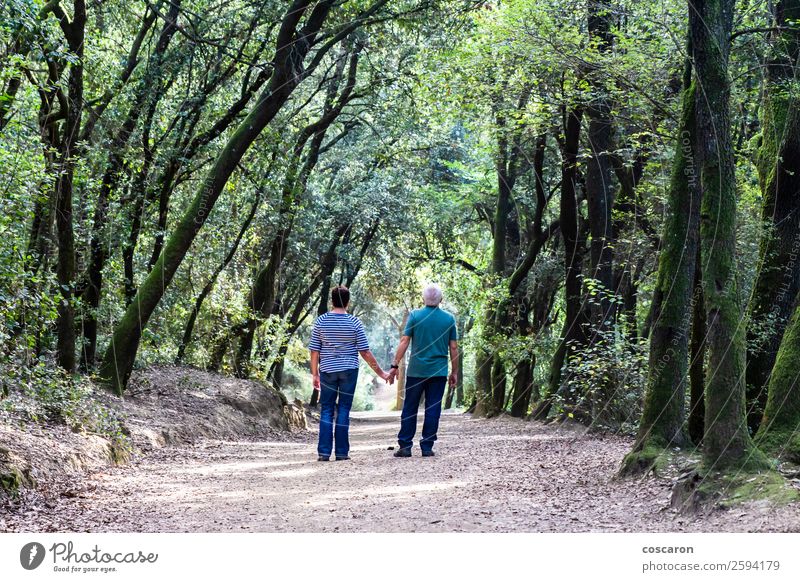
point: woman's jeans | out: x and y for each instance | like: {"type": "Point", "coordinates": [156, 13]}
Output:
{"type": "Point", "coordinates": [336, 395]}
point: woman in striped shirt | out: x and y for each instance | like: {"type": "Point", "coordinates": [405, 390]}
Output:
{"type": "Point", "coordinates": [336, 341]}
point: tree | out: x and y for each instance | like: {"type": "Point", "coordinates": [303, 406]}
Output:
{"type": "Point", "coordinates": [300, 166]}
{"type": "Point", "coordinates": [778, 432]}
{"type": "Point", "coordinates": [297, 35]}
{"type": "Point", "coordinates": [64, 141]}
{"type": "Point", "coordinates": [727, 442]}
{"type": "Point", "coordinates": [599, 168]}
{"type": "Point", "coordinates": [662, 422]}
{"type": "Point", "coordinates": [778, 282]}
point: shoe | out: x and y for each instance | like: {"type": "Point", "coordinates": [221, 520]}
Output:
{"type": "Point", "coordinates": [402, 453]}
{"type": "Point", "coordinates": [322, 458]}
{"type": "Point", "coordinates": [345, 458]}
{"type": "Point", "coordinates": [428, 454]}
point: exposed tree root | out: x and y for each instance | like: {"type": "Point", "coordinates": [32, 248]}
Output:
{"type": "Point", "coordinates": [697, 491]}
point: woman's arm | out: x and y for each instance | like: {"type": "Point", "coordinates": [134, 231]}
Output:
{"type": "Point", "coordinates": [373, 363]}
{"type": "Point", "coordinates": [453, 363]}
{"type": "Point", "coordinates": [315, 369]}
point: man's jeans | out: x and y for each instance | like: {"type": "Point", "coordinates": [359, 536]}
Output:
{"type": "Point", "coordinates": [433, 388]}
{"type": "Point", "coordinates": [336, 393]}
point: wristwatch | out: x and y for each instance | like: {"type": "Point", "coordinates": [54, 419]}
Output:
{"type": "Point", "coordinates": [395, 366]}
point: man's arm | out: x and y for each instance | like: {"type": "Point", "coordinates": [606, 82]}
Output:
{"type": "Point", "coordinates": [373, 363]}
{"type": "Point", "coordinates": [401, 350]}
{"type": "Point", "coordinates": [315, 369]}
{"type": "Point", "coordinates": [398, 356]}
{"type": "Point", "coordinates": [453, 362]}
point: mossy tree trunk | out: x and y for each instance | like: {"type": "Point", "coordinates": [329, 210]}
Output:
{"type": "Point", "coordinates": [779, 433]}
{"type": "Point", "coordinates": [292, 46]}
{"type": "Point", "coordinates": [697, 361]}
{"type": "Point", "coordinates": [523, 387]}
{"type": "Point", "coordinates": [663, 415]}
{"type": "Point", "coordinates": [490, 372]}
{"type": "Point", "coordinates": [778, 280]}
{"type": "Point", "coordinates": [727, 442]}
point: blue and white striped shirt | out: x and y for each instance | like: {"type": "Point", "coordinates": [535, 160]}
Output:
{"type": "Point", "coordinates": [338, 337]}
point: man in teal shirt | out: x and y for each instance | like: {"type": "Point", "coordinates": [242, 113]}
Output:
{"type": "Point", "coordinates": [431, 332]}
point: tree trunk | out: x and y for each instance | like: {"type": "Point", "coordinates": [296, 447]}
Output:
{"type": "Point", "coordinates": [523, 387]}
{"type": "Point", "coordinates": [65, 270]}
{"type": "Point", "coordinates": [573, 334]}
{"type": "Point", "coordinates": [727, 442]}
{"type": "Point", "coordinates": [778, 281]}
{"type": "Point", "coordinates": [779, 433]}
{"type": "Point", "coordinates": [697, 405]}
{"type": "Point", "coordinates": [600, 172]}
{"type": "Point", "coordinates": [661, 425]}
{"type": "Point", "coordinates": [261, 301]}
{"type": "Point", "coordinates": [147, 90]}
{"type": "Point", "coordinates": [490, 381]}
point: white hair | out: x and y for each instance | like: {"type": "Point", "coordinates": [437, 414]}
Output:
{"type": "Point", "coordinates": [432, 295]}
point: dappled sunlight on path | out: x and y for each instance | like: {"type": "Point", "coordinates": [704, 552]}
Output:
{"type": "Point", "coordinates": [489, 475]}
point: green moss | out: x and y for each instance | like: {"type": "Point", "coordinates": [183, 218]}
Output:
{"type": "Point", "coordinates": [781, 444]}
{"type": "Point", "coordinates": [641, 462]}
{"type": "Point", "coordinates": [741, 487]}
{"type": "Point", "coordinates": [782, 412]}
{"type": "Point", "coordinates": [651, 456]}
{"type": "Point", "coordinates": [12, 479]}
{"type": "Point", "coordinates": [700, 491]}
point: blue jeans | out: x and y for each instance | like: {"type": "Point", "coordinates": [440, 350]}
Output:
{"type": "Point", "coordinates": [433, 388]}
{"type": "Point", "coordinates": [336, 394]}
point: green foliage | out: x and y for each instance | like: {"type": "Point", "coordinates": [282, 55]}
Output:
{"type": "Point", "coordinates": [440, 94]}
{"type": "Point", "coordinates": [41, 393]}
{"type": "Point", "coordinates": [606, 380]}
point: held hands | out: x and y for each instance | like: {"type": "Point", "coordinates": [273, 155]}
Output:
{"type": "Point", "coordinates": [315, 382]}
{"type": "Point", "coordinates": [392, 376]}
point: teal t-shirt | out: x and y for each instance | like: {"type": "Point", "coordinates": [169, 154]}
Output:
{"type": "Point", "coordinates": [430, 330]}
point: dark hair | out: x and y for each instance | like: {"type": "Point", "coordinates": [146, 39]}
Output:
{"type": "Point", "coordinates": [340, 296]}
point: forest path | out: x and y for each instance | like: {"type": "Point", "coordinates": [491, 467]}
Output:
{"type": "Point", "coordinates": [495, 475]}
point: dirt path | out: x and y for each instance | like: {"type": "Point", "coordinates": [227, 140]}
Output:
{"type": "Point", "coordinates": [488, 475]}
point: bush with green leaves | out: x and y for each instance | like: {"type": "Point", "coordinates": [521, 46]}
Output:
{"type": "Point", "coordinates": [45, 394]}
{"type": "Point", "coordinates": [605, 381]}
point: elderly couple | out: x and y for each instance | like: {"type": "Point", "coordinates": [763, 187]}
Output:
{"type": "Point", "coordinates": [338, 338]}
